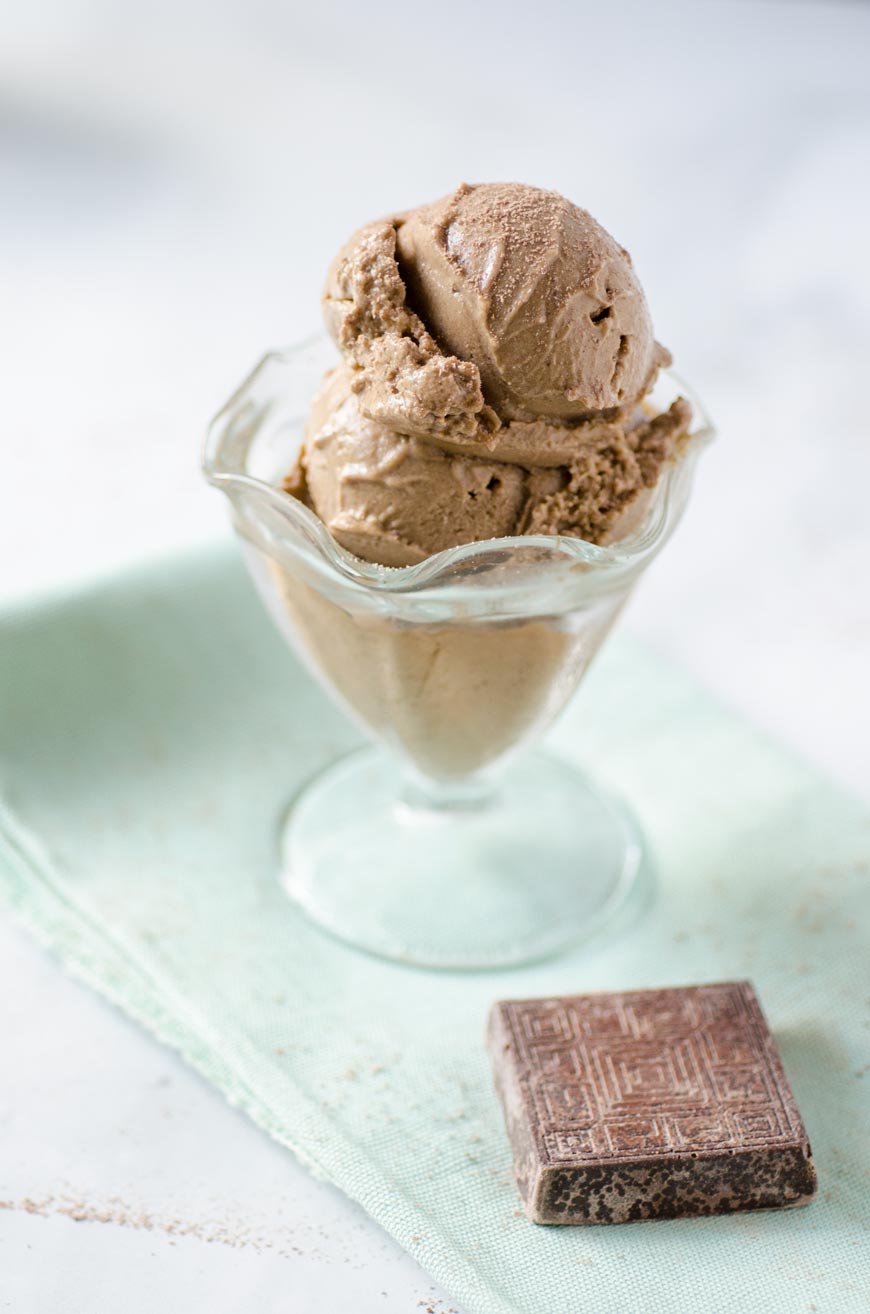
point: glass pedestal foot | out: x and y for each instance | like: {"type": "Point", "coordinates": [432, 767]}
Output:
{"type": "Point", "coordinates": [466, 881]}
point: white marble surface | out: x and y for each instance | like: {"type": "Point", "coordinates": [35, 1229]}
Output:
{"type": "Point", "coordinates": [172, 183]}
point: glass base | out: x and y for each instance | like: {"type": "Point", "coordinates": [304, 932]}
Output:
{"type": "Point", "coordinates": [479, 881]}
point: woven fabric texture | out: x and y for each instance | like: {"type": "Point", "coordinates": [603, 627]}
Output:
{"type": "Point", "coordinates": [153, 730]}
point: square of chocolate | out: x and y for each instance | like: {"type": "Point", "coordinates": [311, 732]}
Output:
{"type": "Point", "coordinates": [648, 1104]}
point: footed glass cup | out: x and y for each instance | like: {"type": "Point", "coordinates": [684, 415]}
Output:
{"type": "Point", "coordinates": [447, 844]}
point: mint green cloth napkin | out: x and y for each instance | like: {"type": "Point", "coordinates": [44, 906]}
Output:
{"type": "Point", "coordinates": [153, 730]}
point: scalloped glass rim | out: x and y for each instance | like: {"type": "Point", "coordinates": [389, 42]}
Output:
{"type": "Point", "coordinates": [233, 430]}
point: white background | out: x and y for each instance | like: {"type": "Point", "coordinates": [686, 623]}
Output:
{"type": "Point", "coordinates": [174, 179]}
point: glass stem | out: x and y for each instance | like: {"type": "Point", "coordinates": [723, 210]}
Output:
{"type": "Point", "coordinates": [470, 793]}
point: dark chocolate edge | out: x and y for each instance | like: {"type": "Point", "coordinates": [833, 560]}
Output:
{"type": "Point", "coordinates": [693, 1188]}
{"type": "Point", "coordinates": [527, 1165]}
{"type": "Point", "coordinates": [774, 1059]}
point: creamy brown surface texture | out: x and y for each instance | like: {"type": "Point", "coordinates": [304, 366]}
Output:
{"type": "Point", "coordinates": [497, 348]}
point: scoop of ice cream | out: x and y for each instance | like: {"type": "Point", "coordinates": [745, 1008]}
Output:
{"type": "Point", "coordinates": [397, 499]}
{"type": "Point", "coordinates": [518, 297]}
{"type": "Point", "coordinates": [535, 292]}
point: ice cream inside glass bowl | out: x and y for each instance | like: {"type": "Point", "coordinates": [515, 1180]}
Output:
{"type": "Point", "coordinates": [496, 352]}
{"type": "Point", "coordinates": [445, 516]}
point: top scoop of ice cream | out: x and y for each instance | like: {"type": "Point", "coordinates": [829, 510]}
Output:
{"type": "Point", "coordinates": [496, 348]}
{"type": "Point", "coordinates": [535, 292]}
{"type": "Point", "coordinates": [525, 289]}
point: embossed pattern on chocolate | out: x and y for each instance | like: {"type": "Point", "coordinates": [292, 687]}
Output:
{"type": "Point", "coordinates": [648, 1104]}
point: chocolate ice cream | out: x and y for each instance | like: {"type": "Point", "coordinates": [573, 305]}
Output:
{"type": "Point", "coordinates": [497, 350]}
{"type": "Point", "coordinates": [533, 291]}
{"type": "Point", "coordinates": [496, 355]}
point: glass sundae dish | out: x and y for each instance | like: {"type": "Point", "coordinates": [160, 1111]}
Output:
{"type": "Point", "coordinates": [415, 526]}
